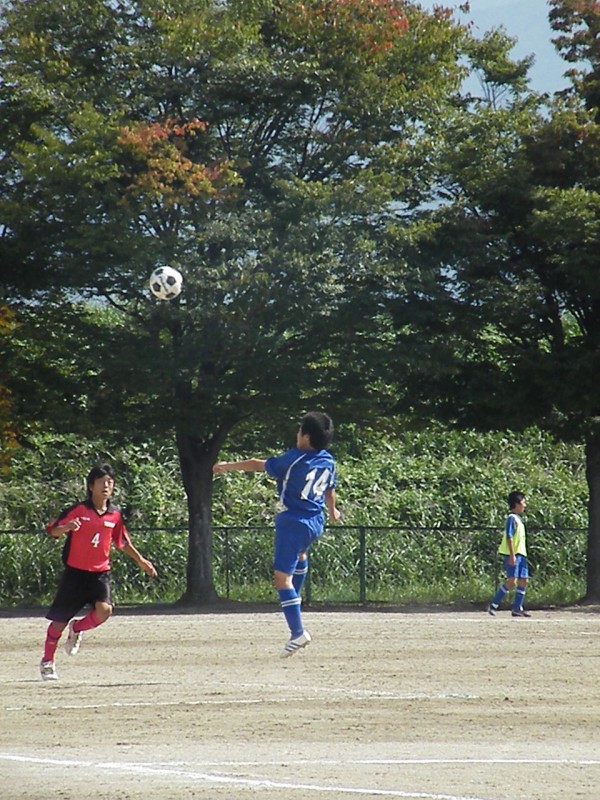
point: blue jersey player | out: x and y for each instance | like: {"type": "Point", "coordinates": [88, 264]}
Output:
{"type": "Point", "coordinates": [306, 480]}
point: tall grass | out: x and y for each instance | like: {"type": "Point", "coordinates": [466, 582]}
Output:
{"type": "Point", "coordinates": [348, 565]}
{"type": "Point", "coordinates": [432, 504]}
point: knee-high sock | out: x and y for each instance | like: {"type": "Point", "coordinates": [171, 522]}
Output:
{"type": "Point", "coordinates": [53, 634]}
{"type": "Point", "coordinates": [500, 595]}
{"type": "Point", "coordinates": [289, 601]}
{"type": "Point", "coordinates": [519, 598]}
{"type": "Point", "coordinates": [299, 575]}
{"type": "Point", "coordinates": [87, 623]}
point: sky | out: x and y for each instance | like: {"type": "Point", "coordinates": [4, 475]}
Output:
{"type": "Point", "coordinates": [527, 20]}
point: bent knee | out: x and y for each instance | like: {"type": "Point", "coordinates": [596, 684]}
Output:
{"type": "Point", "coordinates": [281, 580]}
{"type": "Point", "coordinates": [103, 611]}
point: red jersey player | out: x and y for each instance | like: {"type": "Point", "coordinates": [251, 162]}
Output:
{"type": "Point", "coordinates": [91, 527]}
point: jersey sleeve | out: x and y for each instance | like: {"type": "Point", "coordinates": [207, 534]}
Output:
{"type": "Point", "coordinates": [275, 466]}
{"type": "Point", "coordinates": [65, 516]}
{"type": "Point", "coordinates": [511, 524]}
{"type": "Point", "coordinates": [333, 477]}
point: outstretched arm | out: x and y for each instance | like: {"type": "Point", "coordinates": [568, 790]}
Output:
{"type": "Point", "coordinates": [247, 465]}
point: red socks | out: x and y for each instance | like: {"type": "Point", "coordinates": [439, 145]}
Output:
{"type": "Point", "coordinates": [55, 630]}
{"type": "Point", "coordinates": [86, 623]}
{"type": "Point", "coordinates": [53, 634]}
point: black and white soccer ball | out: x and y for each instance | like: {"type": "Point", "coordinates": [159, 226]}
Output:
{"type": "Point", "coordinates": [166, 283]}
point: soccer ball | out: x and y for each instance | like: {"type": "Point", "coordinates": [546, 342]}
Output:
{"type": "Point", "coordinates": [166, 283]}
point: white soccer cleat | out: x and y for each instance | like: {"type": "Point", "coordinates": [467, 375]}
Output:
{"type": "Point", "coordinates": [296, 644]}
{"type": "Point", "coordinates": [73, 642]}
{"type": "Point", "coordinates": [48, 671]}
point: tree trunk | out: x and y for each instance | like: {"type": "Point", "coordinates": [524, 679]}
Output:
{"type": "Point", "coordinates": [196, 459]}
{"type": "Point", "coordinates": [592, 472]}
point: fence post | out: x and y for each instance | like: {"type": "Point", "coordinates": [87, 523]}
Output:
{"type": "Point", "coordinates": [362, 564]}
{"type": "Point", "coordinates": [227, 565]}
{"type": "Point", "coordinates": [307, 584]}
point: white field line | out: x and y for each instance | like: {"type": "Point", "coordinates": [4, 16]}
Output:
{"type": "Point", "coordinates": [403, 762]}
{"type": "Point", "coordinates": [202, 777]}
{"type": "Point", "coordinates": [284, 695]}
{"type": "Point", "coordinates": [139, 704]}
{"type": "Point", "coordinates": [346, 691]}
{"type": "Point", "coordinates": [285, 688]}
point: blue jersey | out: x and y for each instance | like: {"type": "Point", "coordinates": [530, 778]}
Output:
{"type": "Point", "coordinates": [303, 477]}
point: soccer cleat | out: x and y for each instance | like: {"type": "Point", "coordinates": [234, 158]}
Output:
{"type": "Point", "coordinates": [296, 644]}
{"type": "Point", "coordinates": [73, 642]}
{"type": "Point", "coordinates": [491, 610]}
{"type": "Point", "coordinates": [521, 613]}
{"type": "Point", "coordinates": [48, 671]}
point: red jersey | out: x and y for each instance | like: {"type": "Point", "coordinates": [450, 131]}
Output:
{"type": "Point", "coordinates": [89, 548]}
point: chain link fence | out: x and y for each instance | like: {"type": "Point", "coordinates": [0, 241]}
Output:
{"type": "Point", "coordinates": [349, 564]}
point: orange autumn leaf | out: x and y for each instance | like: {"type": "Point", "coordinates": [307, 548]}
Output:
{"type": "Point", "coordinates": [158, 167]}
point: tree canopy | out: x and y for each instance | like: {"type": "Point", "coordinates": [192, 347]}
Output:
{"type": "Point", "coordinates": [506, 298]}
{"type": "Point", "coordinates": [355, 231]}
{"type": "Point", "coordinates": [249, 144]}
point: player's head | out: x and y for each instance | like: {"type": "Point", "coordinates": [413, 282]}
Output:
{"type": "Point", "coordinates": [318, 427]}
{"type": "Point", "coordinates": [98, 471]}
{"type": "Point", "coordinates": [515, 498]}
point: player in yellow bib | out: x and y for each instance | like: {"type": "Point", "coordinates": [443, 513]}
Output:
{"type": "Point", "coordinates": [513, 549]}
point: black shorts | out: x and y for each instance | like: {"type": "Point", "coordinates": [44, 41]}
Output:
{"type": "Point", "coordinates": [77, 588]}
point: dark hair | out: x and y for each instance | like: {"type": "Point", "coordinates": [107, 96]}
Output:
{"type": "Point", "coordinates": [514, 498]}
{"type": "Point", "coordinates": [99, 471]}
{"type": "Point", "coordinates": [319, 428]}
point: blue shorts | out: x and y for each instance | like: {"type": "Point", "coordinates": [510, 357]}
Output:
{"type": "Point", "coordinates": [292, 537]}
{"type": "Point", "coordinates": [519, 570]}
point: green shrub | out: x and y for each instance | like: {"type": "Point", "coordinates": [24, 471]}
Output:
{"type": "Point", "coordinates": [407, 492]}
{"type": "Point", "coordinates": [348, 564]}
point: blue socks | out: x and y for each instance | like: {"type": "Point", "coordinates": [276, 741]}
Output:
{"type": "Point", "coordinates": [503, 591]}
{"type": "Point", "coordinates": [519, 598]}
{"type": "Point", "coordinates": [289, 600]}
{"type": "Point", "coordinates": [299, 575]}
{"type": "Point", "coordinates": [499, 596]}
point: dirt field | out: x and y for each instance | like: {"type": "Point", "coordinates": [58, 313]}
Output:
{"type": "Point", "coordinates": [427, 706]}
